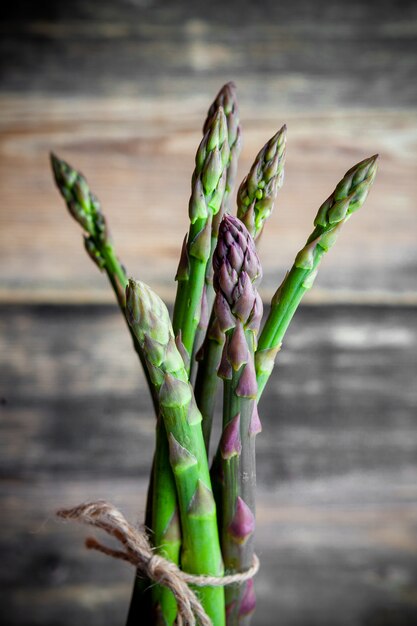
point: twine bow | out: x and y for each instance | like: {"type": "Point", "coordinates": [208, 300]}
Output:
{"type": "Point", "coordinates": [138, 551]}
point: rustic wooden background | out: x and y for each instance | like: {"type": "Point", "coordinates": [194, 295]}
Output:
{"type": "Point", "coordinates": [120, 89]}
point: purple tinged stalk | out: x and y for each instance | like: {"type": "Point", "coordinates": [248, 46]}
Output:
{"type": "Point", "coordinates": [248, 603]}
{"type": "Point", "coordinates": [238, 311]}
{"type": "Point", "coordinates": [230, 443]}
{"type": "Point", "coordinates": [243, 522]}
{"type": "Point", "coordinates": [255, 426]}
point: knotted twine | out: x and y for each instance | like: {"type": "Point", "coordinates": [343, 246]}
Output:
{"type": "Point", "coordinates": [138, 552]}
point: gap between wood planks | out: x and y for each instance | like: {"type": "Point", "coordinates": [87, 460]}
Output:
{"type": "Point", "coordinates": [320, 297]}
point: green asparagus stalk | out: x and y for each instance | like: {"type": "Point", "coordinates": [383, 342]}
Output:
{"type": "Point", "coordinates": [156, 604]}
{"type": "Point", "coordinates": [348, 197]}
{"type": "Point", "coordinates": [208, 185]}
{"type": "Point", "coordinates": [257, 193]}
{"type": "Point", "coordinates": [255, 198]}
{"type": "Point", "coordinates": [238, 309]}
{"type": "Point", "coordinates": [140, 606]}
{"type": "Point", "coordinates": [200, 554]}
{"type": "Point", "coordinates": [226, 98]}
{"type": "Point", "coordinates": [165, 525]}
{"type": "Point", "coordinates": [86, 210]}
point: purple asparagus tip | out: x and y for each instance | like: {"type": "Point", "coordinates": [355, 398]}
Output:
{"type": "Point", "coordinates": [237, 348]}
{"type": "Point", "coordinates": [236, 270]}
{"type": "Point", "coordinates": [230, 444]}
{"type": "Point", "coordinates": [225, 370]}
{"type": "Point", "coordinates": [243, 522]}
{"type": "Point", "coordinates": [224, 316]}
{"type": "Point", "coordinates": [247, 386]}
{"type": "Point", "coordinates": [255, 426]}
{"type": "Point", "coordinates": [248, 603]}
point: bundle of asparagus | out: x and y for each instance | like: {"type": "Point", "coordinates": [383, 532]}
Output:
{"type": "Point", "coordinates": [203, 518]}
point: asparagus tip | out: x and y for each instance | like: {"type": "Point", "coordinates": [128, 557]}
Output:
{"type": "Point", "coordinates": [248, 604]}
{"type": "Point", "coordinates": [243, 523]}
{"type": "Point", "coordinates": [172, 532]}
{"type": "Point", "coordinates": [255, 426]}
{"type": "Point", "coordinates": [202, 502]}
{"type": "Point", "coordinates": [174, 392]}
{"type": "Point", "coordinates": [349, 195]}
{"type": "Point", "coordinates": [230, 443]}
{"type": "Point", "coordinates": [180, 458]}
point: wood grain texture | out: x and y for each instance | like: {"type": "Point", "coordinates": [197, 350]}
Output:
{"type": "Point", "coordinates": [336, 465]}
{"type": "Point", "coordinates": [139, 161]}
{"type": "Point", "coordinates": [121, 90]}
{"type": "Point", "coordinates": [302, 54]}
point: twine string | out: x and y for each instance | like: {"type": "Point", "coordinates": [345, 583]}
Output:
{"type": "Point", "coordinates": [138, 551]}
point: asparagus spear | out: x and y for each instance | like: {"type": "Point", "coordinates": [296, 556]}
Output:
{"type": "Point", "coordinates": [238, 309]}
{"type": "Point", "coordinates": [348, 197]}
{"type": "Point", "coordinates": [208, 185]}
{"type": "Point", "coordinates": [255, 198]}
{"type": "Point", "coordinates": [165, 525]}
{"type": "Point", "coordinates": [85, 209]}
{"type": "Point", "coordinates": [226, 98]}
{"type": "Point", "coordinates": [257, 193]}
{"type": "Point", "coordinates": [149, 320]}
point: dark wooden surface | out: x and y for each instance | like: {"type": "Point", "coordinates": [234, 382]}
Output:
{"type": "Point", "coordinates": [304, 54]}
{"type": "Point", "coordinates": [121, 89]}
{"type": "Point", "coordinates": [337, 515]}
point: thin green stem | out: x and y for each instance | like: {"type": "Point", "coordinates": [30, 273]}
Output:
{"type": "Point", "coordinates": [348, 196]}
{"type": "Point", "coordinates": [291, 292]}
{"type": "Point", "coordinates": [188, 301]}
{"type": "Point", "coordinates": [113, 265]}
{"type": "Point", "coordinates": [166, 532]}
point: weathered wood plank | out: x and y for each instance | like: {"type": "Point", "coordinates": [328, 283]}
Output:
{"type": "Point", "coordinates": [138, 158]}
{"type": "Point", "coordinates": [337, 475]}
{"type": "Point", "coordinates": [135, 84]}
{"type": "Point", "coordinates": [342, 398]}
{"type": "Point", "coordinates": [302, 54]}
{"type": "Point", "coordinates": [332, 551]}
